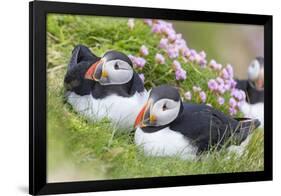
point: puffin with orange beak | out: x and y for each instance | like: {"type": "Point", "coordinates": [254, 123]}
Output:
{"type": "Point", "coordinates": [254, 89]}
{"type": "Point", "coordinates": [254, 85]}
{"type": "Point", "coordinates": [104, 87]}
{"type": "Point", "coordinates": [166, 126]}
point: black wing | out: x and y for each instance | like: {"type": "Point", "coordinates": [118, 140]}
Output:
{"type": "Point", "coordinates": [82, 58]}
{"type": "Point", "coordinates": [136, 84]}
{"type": "Point", "coordinates": [81, 53]}
{"type": "Point", "coordinates": [254, 95]}
{"type": "Point", "coordinates": [208, 127]}
{"type": "Point", "coordinates": [242, 85]}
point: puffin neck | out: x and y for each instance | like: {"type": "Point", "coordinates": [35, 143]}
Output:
{"type": "Point", "coordinates": [252, 85]}
{"type": "Point", "coordinates": [101, 91]}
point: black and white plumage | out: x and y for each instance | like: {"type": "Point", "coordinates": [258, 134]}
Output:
{"type": "Point", "coordinates": [168, 127]}
{"type": "Point", "coordinates": [254, 85]}
{"type": "Point", "coordinates": [107, 86]}
{"type": "Point", "coordinates": [254, 89]}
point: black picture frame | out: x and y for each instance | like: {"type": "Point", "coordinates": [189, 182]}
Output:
{"type": "Point", "coordinates": [37, 97]}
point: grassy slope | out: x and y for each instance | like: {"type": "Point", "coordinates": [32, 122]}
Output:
{"type": "Point", "coordinates": [95, 151]}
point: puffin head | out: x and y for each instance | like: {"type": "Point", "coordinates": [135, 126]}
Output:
{"type": "Point", "coordinates": [112, 69]}
{"type": "Point", "coordinates": [256, 73]}
{"type": "Point", "coordinates": [163, 106]}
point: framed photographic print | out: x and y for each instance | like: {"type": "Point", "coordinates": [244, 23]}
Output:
{"type": "Point", "coordinates": [131, 97]}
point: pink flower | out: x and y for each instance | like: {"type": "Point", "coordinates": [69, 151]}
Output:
{"type": "Point", "coordinates": [176, 65]}
{"type": "Point", "coordinates": [180, 74]}
{"type": "Point", "coordinates": [224, 74]}
{"type": "Point", "coordinates": [172, 52]}
{"type": "Point", "coordinates": [232, 102]}
{"type": "Point", "coordinates": [193, 52]}
{"type": "Point", "coordinates": [203, 96]}
{"type": "Point", "coordinates": [220, 100]}
{"type": "Point", "coordinates": [238, 94]}
{"type": "Point", "coordinates": [229, 70]}
{"type": "Point", "coordinates": [179, 37]}
{"type": "Point", "coordinates": [243, 95]}
{"type": "Point", "coordinates": [202, 54]}
{"type": "Point", "coordinates": [180, 43]}
{"type": "Point", "coordinates": [148, 22]}
{"type": "Point", "coordinates": [214, 65]}
{"type": "Point", "coordinates": [240, 103]}
{"type": "Point", "coordinates": [159, 58]}
{"type": "Point", "coordinates": [171, 35]}
{"type": "Point", "coordinates": [188, 95]}
{"type": "Point", "coordinates": [138, 61]}
{"type": "Point", "coordinates": [221, 89]}
{"type": "Point", "coordinates": [232, 111]}
{"type": "Point", "coordinates": [233, 83]}
{"type": "Point", "coordinates": [156, 28]}
{"type": "Point", "coordinates": [220, 80]}
{"type": "Point", "coordinates": [218, 67]}
{"type": "Point", "coordinates": [213, 85]}
{"type": "Point", "coordinates": [202, 62]}
{"type": "Point", "coordinates": [144, 50]}
{"type": "Point", "coordinates": [131, 57]}
{"type": "Point", "coordinates": [131, 23]}
{"type": "Point", "coordinates": [191, 58]}
{"type": "Point", "coordinates": [163, 43]}
{"type": "Point", "coordinates": [227, 85]}
{"type": "Point", "coordinates": [197, 58]}
{"type": "Point", "coordinates": [185, 51]}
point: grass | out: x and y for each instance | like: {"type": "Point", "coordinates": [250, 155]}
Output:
{"type": "Point", "coordinates": [80, 150]}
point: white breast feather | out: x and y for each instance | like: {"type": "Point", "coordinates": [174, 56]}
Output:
{"type": "Point", "coordinates": [253, 111]}
{"type": "Point", "coordinates": [165, 142]}
{"type": "Point", "coordinates": [122, 111]}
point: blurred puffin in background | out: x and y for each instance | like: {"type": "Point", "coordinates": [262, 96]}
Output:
{"type": "Point", "coordinates": [254, 89]}
{"type": "Point", "coordinates": [168, 127]}
{"type": "Point", "coordinates": [99, 87]}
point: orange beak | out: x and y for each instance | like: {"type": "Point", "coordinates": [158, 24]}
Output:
{"type": "Point", "coordinates": [139, 119]}
{"type": "Point", "coordinates": [260, 81]}
{"type": "Point", "coordinates": [91, 71]}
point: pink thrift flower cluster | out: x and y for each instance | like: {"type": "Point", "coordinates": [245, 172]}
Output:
{"type": "Point", "coordinates": [196, 90]}
{"type": "Point", "coordinates": [179, 71]}
{"type": "Point", "coordinates": [144, 50]}
{"type": "Point", "coordinates": [220, 100]}
{"type": "Point", "coordinates": [159, 59]}
{"type": "Point", "coordinates": [173, 44]}
{"type": "Point", "coordinates": [173, 48]}
{"type": "Point", "coordinates": [138, 62]}
{"type": "Point", "coordinates": [226, 83]}
{"type": "Point", "coordinates": [214, 65]}
{"type": "Point", "coordinates": [203, 96]}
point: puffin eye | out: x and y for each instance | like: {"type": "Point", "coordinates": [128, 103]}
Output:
{"type": "Point", "coordinates": [164, 107]}
{"type": "Point", "coordinates": [116, 66]}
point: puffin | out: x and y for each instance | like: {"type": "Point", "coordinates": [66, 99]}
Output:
{"type": "Point", "coordinates": [166, 126]}
{"type": "Point", "coordinates": [104, 87]}
{"type": "Point", "coordinates": [254, 89]}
